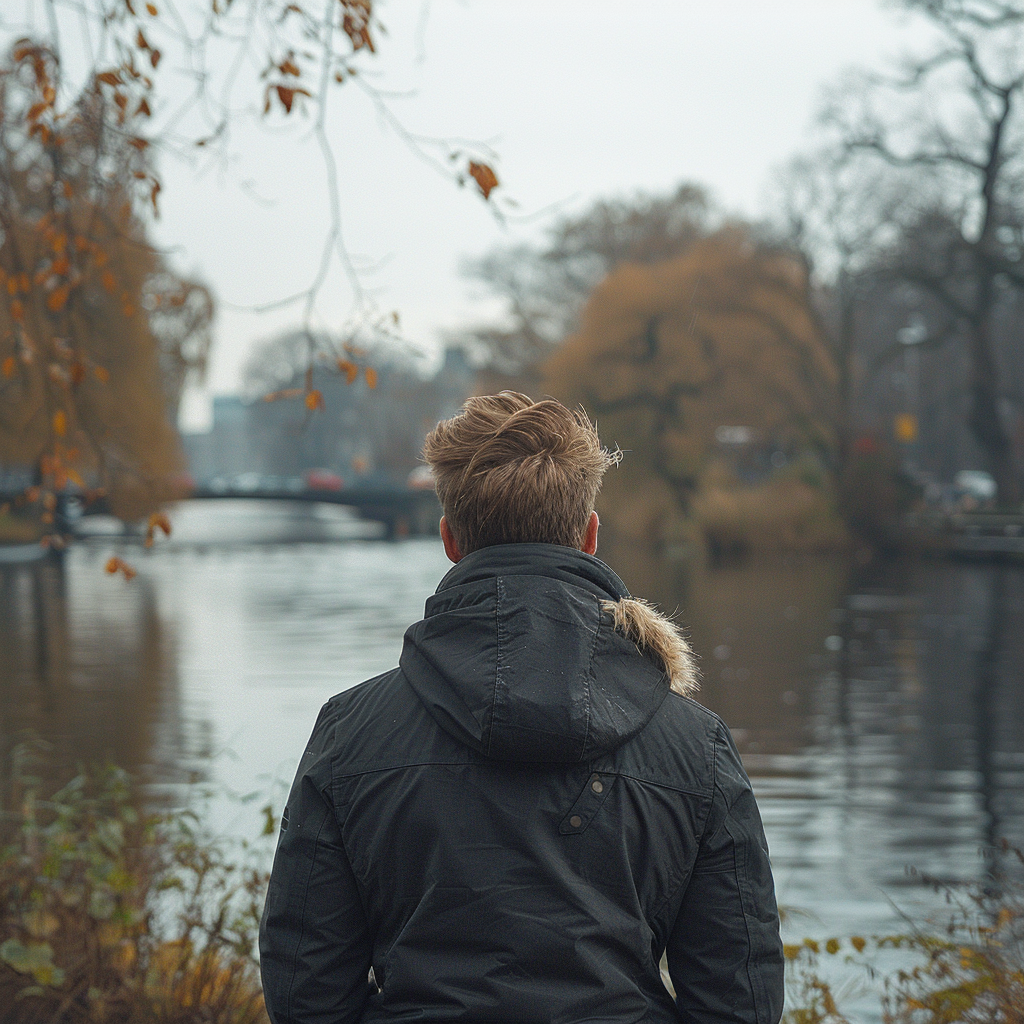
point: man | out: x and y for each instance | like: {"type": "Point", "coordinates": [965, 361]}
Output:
{"type": "Point", "coordinates": [516, 823]}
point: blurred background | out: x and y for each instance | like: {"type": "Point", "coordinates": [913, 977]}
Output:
{"type": "Point", "coordinates": [775, 251]}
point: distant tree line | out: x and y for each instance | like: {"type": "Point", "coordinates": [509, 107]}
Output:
{"type": "Point", "coordinates": [875, 324]}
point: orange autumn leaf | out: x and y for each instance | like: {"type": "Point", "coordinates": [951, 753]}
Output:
{"type": "Point", "coordinates": [151, 9]}
{"type": "Point", "coordinates": [23, 282]}
{"type": "Point", "coordinates": [109, 281]}
{"type": "Point", "coordinates": [371, 377]}
{"type": "Point", "coordinates": [102, 374]}
{"type": "Point", "coordinates": [485, 178]}
{"type": "Point", "coordinates": [314, 400]}
{"type": "Point", "coordinates": [348, 368]}
{"type": "Point", "coordinates": [61, 265]}
{"type": "Point", "coordinates": [9, 366]}
{"type": "Point", "coordinates": [75, 477]}
{"type": "Point", "coordinates": [60, 422]}
{"type": "Point", "coordinates": [77, 373]}
{"type": "Point", "coordinates": [12, 285]}
{"type": "Point", "coordinates": [157, 521]}
{"type": "Point", "coordinates": [58, 298]}
{"type": "Point", "coordinates": [115, 564]}
{"type": "Point", "coordinates": [60, 243]}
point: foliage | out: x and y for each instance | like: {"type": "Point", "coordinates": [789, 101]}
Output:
{"type": "Point", "coordinates": [88, 99]}
{"type": "Point", "coordinates": [544, 290]}
{"type": "Point", "coordinates": [722, 335]}
{"type": "Point", "coordinates": [111, 913]}
{"type": "Point", "coordinates": [82, 397]}
{"type": "Point", "coordinates": [968, 971]}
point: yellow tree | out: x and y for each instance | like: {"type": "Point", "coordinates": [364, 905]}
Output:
{"type": "Point", "coordinates": [723, 335]}
{"type": "Point", "coordinates": [81, 394]}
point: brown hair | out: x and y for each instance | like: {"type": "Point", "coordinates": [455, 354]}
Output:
{"type": "Point", "coordinates": [509, 470]}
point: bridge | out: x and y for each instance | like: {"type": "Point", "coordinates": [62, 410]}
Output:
{"type": "Point", "coordinates": [403, 511]}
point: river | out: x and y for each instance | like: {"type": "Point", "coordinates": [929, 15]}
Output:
{"type": "Point", "coordinates": [879, 708]}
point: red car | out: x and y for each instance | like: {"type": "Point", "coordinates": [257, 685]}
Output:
{"type": "Point", "coordinates": [323, 480]}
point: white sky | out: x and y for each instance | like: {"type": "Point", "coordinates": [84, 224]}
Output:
{"type": "Point", "coordinates": [580, 99]}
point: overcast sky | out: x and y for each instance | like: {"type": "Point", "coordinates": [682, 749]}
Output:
{"type": "Point", "coordinates": [580, 99]}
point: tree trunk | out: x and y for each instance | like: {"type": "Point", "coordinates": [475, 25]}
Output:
{"type": "Point", "coordinates": [985, 420]}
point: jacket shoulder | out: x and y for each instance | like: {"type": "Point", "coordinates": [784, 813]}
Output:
{"type": "Point", "coordinates": [379, 724]}
{"type": "Point", "coordinates": [678, 749]}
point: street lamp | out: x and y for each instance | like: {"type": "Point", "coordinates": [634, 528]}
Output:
{"type": "Point", "coordinates": [910, 337]}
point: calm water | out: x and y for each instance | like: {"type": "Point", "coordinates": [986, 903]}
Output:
{"type": "Point", "coordinates": [878, 708]}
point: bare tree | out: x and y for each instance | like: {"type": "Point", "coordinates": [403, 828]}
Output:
{"type": "Point", "coordinates": [950, 128]}
{"type": "Point", "coordinates": [544, 289]}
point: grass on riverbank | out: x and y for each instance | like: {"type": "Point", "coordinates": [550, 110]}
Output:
{"type": "Point", "coordinates": [113, 915]}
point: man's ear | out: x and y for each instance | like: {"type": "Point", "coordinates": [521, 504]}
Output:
{"type": "Point", "coordinates": [451, 547]}
{"type": "Point", "coordinates": [589, 545]}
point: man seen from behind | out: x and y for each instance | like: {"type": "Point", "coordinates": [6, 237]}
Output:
{"type": "Point", "coordinates": [519, 821]}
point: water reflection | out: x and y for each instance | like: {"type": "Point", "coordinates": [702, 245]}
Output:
{"type": "Point", "coordinates": [878, 708]}
{"type": "Point", "coordinates": [89, 670]}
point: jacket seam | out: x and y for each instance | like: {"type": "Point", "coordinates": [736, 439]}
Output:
{"type": "Point", "coordinates": [586, 680]}
{"type": "Point", "coordinates": [753, 975]}
{"type": "Point", "coordinates": [496, 764]}
{"type": "Point", "coordinates": [302, 915]}
{"type": "Point", "coordinates": [498, 596]}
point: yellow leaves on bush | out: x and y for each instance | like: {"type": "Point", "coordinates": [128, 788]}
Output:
{"type": "Point", "coordinates": [157, 521]}
{"type": "Point", "coordinates": [371, 377]}
{"type": "Point", "coordinates": [791, 951]}
{"type": "Point", "coordinates": [115, 565]}
{"type": "Point", "coordinates": [314, 400]}
{"type": "Point", "coordinates": [10, 364]}
{"type": "Point", "coordinates": [485, 178]}
{"type": "Point", "coordinates": [832, 946]}
{"type": "Point", "coordinates": [60, 422]}
{"type": "Point", "coordinates": [349, 369]}
{"type": "Point", "coordinates": [858, 943]}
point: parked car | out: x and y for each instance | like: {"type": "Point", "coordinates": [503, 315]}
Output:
{"type": "Point", "coordinates": [323, 480]}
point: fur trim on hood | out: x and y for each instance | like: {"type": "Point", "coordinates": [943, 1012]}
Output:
{"type": "Point", "coordinates": [654, 633]}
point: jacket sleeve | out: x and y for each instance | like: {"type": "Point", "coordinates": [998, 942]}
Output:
{"type": "Point", "coordinates": [724, 952]}
{"type": "Point", "coordinates": [315, 946]}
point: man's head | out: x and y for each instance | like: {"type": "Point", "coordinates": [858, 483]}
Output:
{"type": "Point", "coordinates": [509, 470]}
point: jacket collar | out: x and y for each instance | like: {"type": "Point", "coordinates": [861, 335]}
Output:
{"type": "Point", "coordinates": [567, 565]}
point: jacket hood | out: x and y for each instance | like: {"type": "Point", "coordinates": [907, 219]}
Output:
{"type": "Point", "coordinates": [537, 653]}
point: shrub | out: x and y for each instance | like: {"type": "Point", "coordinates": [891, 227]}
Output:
{"type": "Point", "coordinates": [970, 970]}
{"type": "Point", "coordinates": [110, 913]}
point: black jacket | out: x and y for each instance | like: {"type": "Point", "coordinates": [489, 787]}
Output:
{"type": "Point", "coordinates": [515, 824]}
